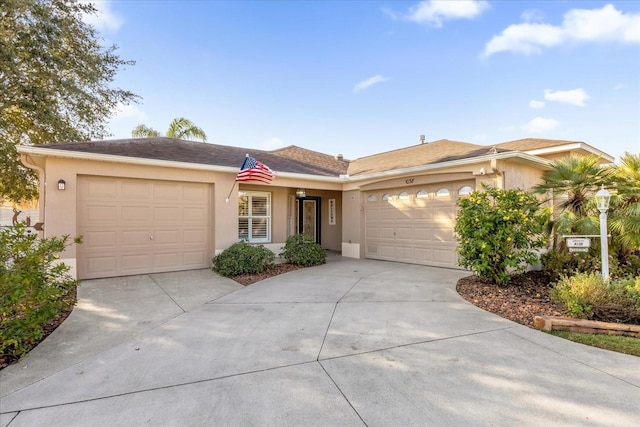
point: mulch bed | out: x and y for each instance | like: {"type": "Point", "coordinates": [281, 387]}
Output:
{"type": "Point", "coordinates": [520, 300]}
{"type": "Point", "coordinates": [248, 279]}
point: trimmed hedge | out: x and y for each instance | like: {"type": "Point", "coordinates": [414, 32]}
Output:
{"type": "Point", "coordinates": [301, 249]}
{"type": "Point", "coordinates": [243, 258]}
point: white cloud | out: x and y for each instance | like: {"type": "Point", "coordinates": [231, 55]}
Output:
{"type": "Point", "coordinates": [365, 84]}
{"type": "Point", "coordinates": [104, 19]}
{"type": "Point", "coordinates": [574, 97]}
{"type": "Point", "coordinates": [128, 111]}
{"type": "Point", "coordinates": [435, 12]}
{"type": "Point", "coordinates": [540, 124]}
{"type": "Point", "coordinates": [579, 25]}
{"type": "Point", "coordinates": [619, 86]}
{"type": "Point", "coordinates": [532, 15]}
{"type": "Point", "coordinates": [536, 104]}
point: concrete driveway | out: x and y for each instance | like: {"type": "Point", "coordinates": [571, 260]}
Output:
{"type": "Point", "coordinates": [348, 343]}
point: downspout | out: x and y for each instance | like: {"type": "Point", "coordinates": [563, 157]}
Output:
{"type": "Point", "coordinates": [498, 172]}
{"type": "Point", "coordinates": [24, 158]}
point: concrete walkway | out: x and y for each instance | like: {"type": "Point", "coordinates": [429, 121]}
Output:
{"type": "Point", "coordinates": [348, 343]}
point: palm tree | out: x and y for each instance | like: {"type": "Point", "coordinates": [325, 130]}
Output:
{"type": "Point", "coordinates": [625, 205]}
{"type": "Point", "coordinates": [571, 184]}
{"type": "Point", "coordinates": [179, 128]}
{"type": "Point", "coordinates": [143, 131]}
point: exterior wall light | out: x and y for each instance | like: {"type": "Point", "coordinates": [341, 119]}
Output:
{"type": "Point", "coordinates": [602, 199]}
{"type": "Point", "coordinates": [300, 192]}
{"type": "Point", "coordinates": [61, 184]}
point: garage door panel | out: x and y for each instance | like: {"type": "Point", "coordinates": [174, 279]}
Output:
{"type": "Point", "coordinates": [96, 266]}
{"type": "Point", "coordinates": [386, 232]}
{"type": "Point", "coordinates": [195, 258]}
{"type": "Point", "coordinates": [193, 193]}
{"type": "Point", "coordinates": [135, 239]}
{"type": "Point", "coordinates": [94, 214]}
{"type": "Point", "coordinates": [404, 233]}
{"type": "Point", "coordinates": [194, 236]}
{"type": "Point", "coordinates": [97, 188]}
{"type": "Point", "coordinates": [136, 190]}
{"type": "Point", "coordinates": [167, 237]}
{"type": "Point", "coordinates": [99, 240]}
{"type": "Point", "coordinates": [388, 251]}
{"type": "Point", "coordinates": [134, 214]}
{"type": "Point", "coordinates": [168, 260]}
{"type": "Point", "coordinates": [387, 214]}
{"type": "Point", "coordinates": [168, 192]}
{"type": "Point", "coordinates": [423, 234]}
{"type": "Point", "coordinates": [135, 263]}
{"type": "Point", "coordinates": [133, 226]}
{"type": "Point", "coordinates": [193, 215]}
{"type": "Point", "coordinates": [167, 214]}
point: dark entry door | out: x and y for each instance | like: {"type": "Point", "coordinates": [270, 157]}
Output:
{"type": "Point", "coordinates": [309, 216]}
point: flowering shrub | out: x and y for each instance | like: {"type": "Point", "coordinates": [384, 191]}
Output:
{"type": "Point", "coordinates": [499, 232]}
{"type": "Point", "coordinates": [587, 295]}
{"type": "Point", "coordinates": [34, 288]}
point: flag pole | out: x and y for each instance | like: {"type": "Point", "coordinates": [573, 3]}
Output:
{"type": "Point", "coordinates": [234, 182]}
{"type": "Point", "coordinates": [227, 199]}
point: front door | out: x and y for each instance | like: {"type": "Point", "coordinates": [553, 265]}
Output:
{"type": "Point", "coordinates": [309, 217]}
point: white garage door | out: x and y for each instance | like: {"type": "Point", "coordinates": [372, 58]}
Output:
{"type": "Point", "coordinates": [413, 224]}
{"type": "Point", "coordinates": [135, 226]}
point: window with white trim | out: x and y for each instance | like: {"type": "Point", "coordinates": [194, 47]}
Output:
{"type": "Point", "coordinates": [254, 216]}
{"type": "Point", "coordinates": [465, 191]}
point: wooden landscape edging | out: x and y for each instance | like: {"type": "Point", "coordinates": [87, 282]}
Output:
{"type": "Point", "coordinates": [550, 323]}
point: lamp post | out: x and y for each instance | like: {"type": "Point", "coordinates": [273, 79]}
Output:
{"type": "Point", "coordinates": [602, 198]}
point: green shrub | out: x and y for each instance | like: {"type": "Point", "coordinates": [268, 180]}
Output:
{"type": "Point", "coordinates": [34, 290]}
{"type": "Point", "coordinates": [499, 232]}
{"type": "Point", "coordinates": [588, 296]}
{"type": "Point", "coordinates": [562, 263]}
{"type": "Point", "coordinates": [301, 249]}
{"type": "Point", "coordinates": [243, 258]}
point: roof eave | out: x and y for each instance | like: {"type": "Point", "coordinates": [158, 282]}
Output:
{"type": "Point", "coordinates": [52, 152]}
{"type": "Point", "coordinates": [453, 163]}
{"type": "Point", "coordinates": [574, 146]}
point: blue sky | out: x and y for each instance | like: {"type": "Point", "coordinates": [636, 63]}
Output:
{"type": "Point", "coordinates": [364, 77]}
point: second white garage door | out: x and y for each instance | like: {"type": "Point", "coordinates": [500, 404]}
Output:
{"type": "Point", "coordinates": [135, 226]}
{"type": "Point", "coordinates": [414, 224]}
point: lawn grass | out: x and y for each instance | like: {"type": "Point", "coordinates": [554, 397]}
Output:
{"type": "Point", "coordinates": [626, 345]}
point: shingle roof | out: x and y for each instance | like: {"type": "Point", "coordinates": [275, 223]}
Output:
{"type": "Point", "coordinates": [295, 159]}
{"type": "Point", "coordinates": [290, 159]}
{"type": "Point", "coordinates": [534, 144]}
{"type": "Point", "coordinates": [417, 155]}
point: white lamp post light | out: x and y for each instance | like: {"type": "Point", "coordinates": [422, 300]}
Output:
{"type": "Point", "coordinates": [602, 198]}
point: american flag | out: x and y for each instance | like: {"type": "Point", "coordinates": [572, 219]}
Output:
{"type": "Point", "coordinates": [253, 170]}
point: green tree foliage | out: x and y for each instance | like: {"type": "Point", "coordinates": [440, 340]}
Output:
{"type": "Point", "coordinates": [624, 220]}
{"type": "Point", "coordinates": [571, 183]}
{"type": "Point", "coordinates": [34, 289]}
{"type": "Point", "coordinates": [499, 232]}
{"type": "Point", "coordinates": [179, 128]}
{"type": "Point", "coordinates": [55, 83]}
